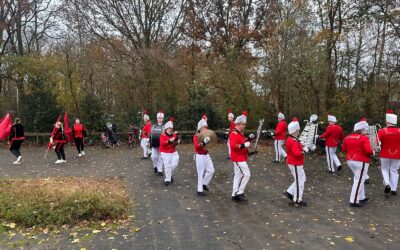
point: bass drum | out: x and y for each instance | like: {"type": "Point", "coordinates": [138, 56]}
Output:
{"type": "Point", "coordinates": [155, 133]}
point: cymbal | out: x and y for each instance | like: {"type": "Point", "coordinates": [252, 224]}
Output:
{"type": "Point", "coordinates": [211, 134]}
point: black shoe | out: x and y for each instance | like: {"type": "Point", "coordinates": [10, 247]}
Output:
{"type": "Point", "coordinates": [355, 205]}
{"type": "Point", "coordinates": [288, 195]}
{"type": "Point", "coordinates": [301, 204]}
{"type": "Point", "coordinates": [201, 194]}
{"type": "Point", "coordinates": [145, 158]}
{"type": "Point", "coordinates": [160, 174]}
{"type": "Point", "coordinates": [167, 183]}
{"type": "Point", "coordinates": [228, 158]}
{"type": "Point", "coordinates": [387, 189]}
{"type": "Point", "coordinates": [241, 198]}
{"type": "Point", "coordinates": [172, 179]}
{"type": "Point", "coordinates": [364, 200]}
{"type": "Point", "coordinates": [155, 170]}
{"type": "Point", "coordinates": [394, 193]}
{"type": "Point", "coordinates": [275, 161]}
{"type": "Point", "coordinates": [331, 172]}
{"type": "Point", "coordinates": [339, 168]}
{"type": "Point", "coordinates": [366, 181]}
{"type": "Point", "coordinates": [205, 188]}
{"type": "Point", "coordinates": [148, 156]}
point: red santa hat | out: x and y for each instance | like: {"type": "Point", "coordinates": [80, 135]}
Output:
{"type": "Point", "coordinates": [230, 114]}
{"type": "Point", "coordinates": [281, 115]}
{"type": "Point", "coordinates": [242, 118]}
{"type": "Point", "coordinates": [391, 117]}
{"type": "Point", "coordinates": [332, 118]}
{"type": "Point", "coordinates": [145, 115]}
{"type": "Point", "coordinates": [160, 114]}
{"type": "Point", "coordinates": [169, 124]}
{"type": "Point", "coordinates": [294, 126]}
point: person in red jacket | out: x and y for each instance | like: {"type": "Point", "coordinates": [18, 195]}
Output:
{"type": "Point", "coordinates": [204, 164]}
{"type": "Point", "coordinates": [280, 136]}
{"type": "Point", "coordinates": [239, 155]}
{"type": "Point", "coordinates": [169, 155]}
{"type": "Point", "coordinates": [295, 162]}
{"type": "Point", "coordinates": [232, 126]}
{"type": "Point", "coordinates": [358, 156]}
{"type": "Point", "coordinates": [145, 136]}
{"type": "Point", "coordinates": [79, 132]}
{"type": "Point", "coordinates": [389, 138]}
{"type": "Point", "coordinates": [333, 135]}
{"type": "Point", "coordinates": [58, 137]}
{"type": "Point", "coordinates": [15, 140]}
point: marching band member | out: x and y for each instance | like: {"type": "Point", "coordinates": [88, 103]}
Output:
{"type": "Point", "coordinates": [295, 162]}
{"type": "Point", "coordinates": [145, 135]}
{"type": "Point", "coordinates": [58, 137]}
{"type": "Point", "coordinates": [204, 164]}
{"type": "Point", "coordinates": [389, 137]}
{"type": "Point", "coordinates": [239, 155]}
{"type": "Point", "coordinates": [155, 134]}
{"type": "Point", "coordinates": [358, 156]}
{"type": "Point", "coordinates": [333, 134]}
{"type": "Point", "coordinates": [232, 126]}
{"type": "Point", "coordinates": [169, 155]}
{"type": "Point", "coordinates": [15, 140]}
{"type": "Point", "coordinates": [280, 136]}
{"type": "Point", "coordinates": [79, 132]}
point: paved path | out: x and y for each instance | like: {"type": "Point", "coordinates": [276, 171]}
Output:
{"type": "Point", "coordinates": [174, 217]}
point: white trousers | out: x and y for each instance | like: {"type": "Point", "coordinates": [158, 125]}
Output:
{"type": "Point", "coordinates": [143, 144]}
{"type": "Point", "coordinates": [279, 152]}
{"type": "Point", "coordinates": [297, 187]}
{"type": "Point", "coordinates": [156, 159]}
{"type": "Point", "coordinates": [360, 171]}
{"type": "Point", "coordinates": [229, 147]}
{"type": "Point", "coordinates": [241, 177]}
{"type": "Point", "coordinates": [205, 170]}
{"type": "Point", "coordinates": [332, 158]}
{"type": "Point", "coordinates": [390, 172]}
{"type": "Point", "coordinates": [171, 161]}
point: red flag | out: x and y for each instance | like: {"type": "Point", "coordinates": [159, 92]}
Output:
{"type": "Point", "coordinates": [67, 129]}
{"type": "Point", "coordinates": [5, 126]}
{"type": "Point", "coordinates": [49, 144]}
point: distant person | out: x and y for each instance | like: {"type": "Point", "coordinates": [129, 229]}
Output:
{"type": "Point", "coordinates": [280, 137]}
{"type": "Point", "coordinates": [156, 131]}
{"type": "Point", "coordinates": [168, 153]}
{"type": "Point", "coordinates": [232, 126]}
{"type": "Point", "coordinates": [58, 138]}
{"type": "Point", "coordinates": [79, 132]}
{"type": "Point", "coordinates": [145, 136]}
{"type": "Point", "coordinates": [15, 140]}
{"type": "Point", "coordinates": [333, 135]}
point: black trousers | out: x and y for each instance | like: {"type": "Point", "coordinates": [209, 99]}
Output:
{"type": "Point", "coordinates": [15, 147]}
{"type": "Point", "coordinates": [60, 151]}
{"type": "Point", "coordinates": [79, 144]}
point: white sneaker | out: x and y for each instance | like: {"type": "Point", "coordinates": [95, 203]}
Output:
{"type": "Point", "coordinates": [63, 161]}
{"type": "Point", "coordinates": [80, 155]}
{"type": "Point", "coordinates": [19, 159]}
{"type": "Point", "coordinates": [16, 162]}
{"type": "Point", "coordinates": [83, 153]}
{"type": "Point", "coordinates": [58, 161]}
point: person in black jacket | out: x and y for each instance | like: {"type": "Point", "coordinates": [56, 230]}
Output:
{"type": "Point", "coordinates": [15, 140]}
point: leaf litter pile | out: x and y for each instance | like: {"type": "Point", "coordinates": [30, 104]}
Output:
{"type": "Point", "coordinates": [62, 201]}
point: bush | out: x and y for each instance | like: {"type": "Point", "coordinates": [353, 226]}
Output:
{"type": "Point", "coordinates": [62, 201]}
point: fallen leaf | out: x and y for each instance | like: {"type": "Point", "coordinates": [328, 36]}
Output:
{"type": "Point", "coordinates": [349, 239]}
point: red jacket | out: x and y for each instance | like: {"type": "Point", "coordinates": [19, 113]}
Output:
{"type": "Point", "coordinates": [232, 127]}
{"type": "Point", "coordinates": [79, 130]}
{"type": "Point", "coordinates": [165, 145]}
{"type": "Point", "coordinates": [294, 152]}
{"type": "Point", "coordinates": [333, 134]}
{"type": "Point", "coordinates": [390, 142]}
{"type": "Point", "coordinates": [236, 139]}
{"type": "Point", "coordinates": [146, 130]}
{"type": "Point", "coordinates": [357, 148]}
{"type": "Point", "coordinates": [280, 131]}
{"type": "Point", "coordinates": [198, 149]}
{"type": "Point", "coordinates": [59, 136]}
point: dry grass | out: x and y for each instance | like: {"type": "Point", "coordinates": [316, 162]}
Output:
{"type": "Point", "coordinates": [60, 201]}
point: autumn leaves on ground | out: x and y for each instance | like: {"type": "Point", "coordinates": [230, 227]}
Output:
{"type": "Point", "coordinates": [174, 217]}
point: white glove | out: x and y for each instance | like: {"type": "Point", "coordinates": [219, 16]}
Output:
{"type": "Point", "coordinates": [316, 136]}
{"type": "Point", "coordinates": [247, 144]}
{"type": "Point", "coordinates": [172, 139]}
{"type": "Point", "coordinates": [51, 140]}
{"type": "Point", "coordinates": [305, 149]}
{"type": "Point", "coordinates": [251, 136]}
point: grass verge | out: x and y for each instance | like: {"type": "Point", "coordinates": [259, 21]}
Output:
{"type": "Point", "coordinates": [62, 201]}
